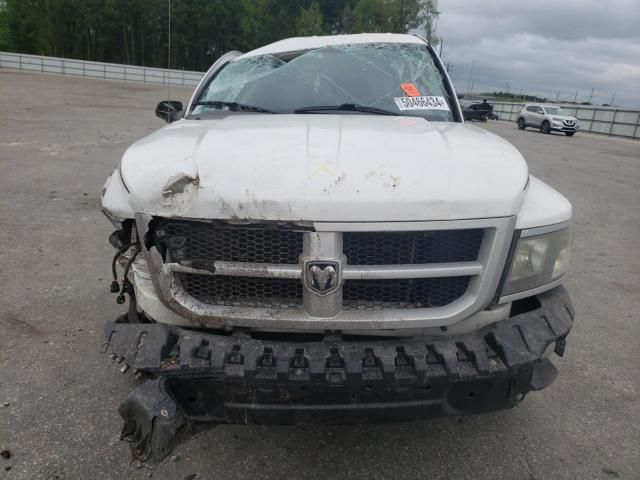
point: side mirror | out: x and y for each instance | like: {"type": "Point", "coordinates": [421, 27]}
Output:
{"type": "Point", "coordinates": [169, 110]}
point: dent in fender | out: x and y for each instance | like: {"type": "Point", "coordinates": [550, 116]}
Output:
{"type": "Point", "coordinates": [115, 198]}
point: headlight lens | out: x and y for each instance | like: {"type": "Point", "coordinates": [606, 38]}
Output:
{"type": "Point", "coordinates": [539, 260]}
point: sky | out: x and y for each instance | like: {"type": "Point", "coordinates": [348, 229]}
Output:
{"type": "Point", "coordinates": [545, 47]}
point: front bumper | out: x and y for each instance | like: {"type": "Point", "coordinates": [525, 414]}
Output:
{"type": "Point", "coordinates": [201, 378]}
{"type": "Point", "coordinates": [564, 128]}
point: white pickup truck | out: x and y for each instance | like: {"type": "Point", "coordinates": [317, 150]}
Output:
{"type": "Point", "coordinates": [319, 237]}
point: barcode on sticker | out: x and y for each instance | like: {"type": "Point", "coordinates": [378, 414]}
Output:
{"type": "Point", "coordinates": [421, 103]}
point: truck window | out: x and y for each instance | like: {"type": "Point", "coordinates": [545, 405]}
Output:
{"type": "Point", "coordinates": [370, 75]}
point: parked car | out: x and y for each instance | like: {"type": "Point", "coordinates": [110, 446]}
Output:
{"type": "Point", "coordinates": [548, 118]}
{"type": "Point", "coordinates": [319, 237]}
{"type": "Point", "coordinates": [477, 111]}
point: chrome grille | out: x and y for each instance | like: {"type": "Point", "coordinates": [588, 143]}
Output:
{"type": "Point", "coordinates": [402, 293]}
{"type": "Point", "coordinates": [202, 241]}
{"type": "Point", "coordinates": [243, 291]}
{"type": "Point", "coordinates": [386, 274]}
{"type": "Point", "coordinates": [415, 247]}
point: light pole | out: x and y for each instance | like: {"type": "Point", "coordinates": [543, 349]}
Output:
{"type": "Point", "coordinates": [169, 55]}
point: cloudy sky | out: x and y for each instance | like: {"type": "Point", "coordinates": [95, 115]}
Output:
{"type": "Point", "coordinates": [545, 47]}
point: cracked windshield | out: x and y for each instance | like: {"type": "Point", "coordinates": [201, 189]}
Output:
{"type": "Point", "coordinates": [385, 78]}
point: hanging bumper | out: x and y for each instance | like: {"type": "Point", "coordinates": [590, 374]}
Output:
{"type": "Point", "coordinates": [202, 379]}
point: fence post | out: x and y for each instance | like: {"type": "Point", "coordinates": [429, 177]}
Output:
{"type": "Point", "coordinates": [41, 64]}
{"type": "Point", "coordinates": [613, 120]}
{"type": "Point", "coordinates": [635, 130]}
{"type": "Point", "coordinates": [592, 119]}
{"type": "Point", "coordinates": [20, 58]}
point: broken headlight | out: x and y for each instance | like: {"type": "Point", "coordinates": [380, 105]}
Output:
{"type": "Point", "coordinates": [538, 260]}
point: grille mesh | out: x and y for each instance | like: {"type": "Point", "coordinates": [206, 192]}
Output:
{"type": "Point", "coordinates": [194, 241]}
{"type": "Point", "coordinates": [243, 291]}
{"type": "Point", "coordinates": [405, 293]}
{"type": "Point", "coordinates": [398, 248]}
{"type": "Point", "coordinates": [205, 241]}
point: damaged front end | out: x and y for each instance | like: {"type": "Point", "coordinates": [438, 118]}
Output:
{"type": "Point", "coordinates": [198, 379]}
{"type": "Point", "coordinates": [226, 324]}
{"type": "Point", "coordinates": [340, 267]}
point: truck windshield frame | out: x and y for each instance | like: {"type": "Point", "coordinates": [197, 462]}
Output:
{"type": "Point", "coordinates": [402, 78]}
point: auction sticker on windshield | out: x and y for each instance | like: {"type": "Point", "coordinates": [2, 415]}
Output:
{"type": "Point", "coordinates": [410, 89]}
{"type": "Point", "coordinates": [421, 103]}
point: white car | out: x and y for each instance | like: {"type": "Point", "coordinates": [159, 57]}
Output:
{"type": "Point", "coordinates": [319, 237]}
{"type": "Point", "coordinates": [548, 118]}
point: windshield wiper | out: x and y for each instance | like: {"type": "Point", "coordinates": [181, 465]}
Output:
{"type": "Point", "coordinates": [349, 107]}
{"type": "Point", "coordinates": [233, 106]}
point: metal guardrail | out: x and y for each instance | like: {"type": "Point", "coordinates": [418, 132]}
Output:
{"type": "Point", "coordinates": [593, 119]}
{"type": "Point", "coordinates": [107, 71]}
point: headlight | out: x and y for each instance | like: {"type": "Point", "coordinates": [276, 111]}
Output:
{"type": "Point", "coordinates": [538, 260]}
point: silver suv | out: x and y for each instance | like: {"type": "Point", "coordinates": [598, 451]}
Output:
{"type": "Point", "coordinates": [547, 118]}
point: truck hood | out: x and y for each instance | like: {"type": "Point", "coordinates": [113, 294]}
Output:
{"type": "Point", "coordinates": [350, 168]}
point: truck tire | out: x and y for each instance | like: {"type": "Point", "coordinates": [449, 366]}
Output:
{"type": "Point", "coordinates": [521, 124]}
{"type": "Point", "coordinates": [545, 127]}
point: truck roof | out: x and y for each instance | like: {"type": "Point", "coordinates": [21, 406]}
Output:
{"type": "Point", "coordinates": [305, 43]}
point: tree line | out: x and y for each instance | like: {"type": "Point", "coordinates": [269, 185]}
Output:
{"type": "Point", "coordinates": [137, 31]}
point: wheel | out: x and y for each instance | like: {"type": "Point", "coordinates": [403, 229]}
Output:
{"type": "Point", "coordinates": [545, 127]}
{"type": "Point", "coordinates": [569, 134]}
{"type": "Point", "coordinates": [521, 124]}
